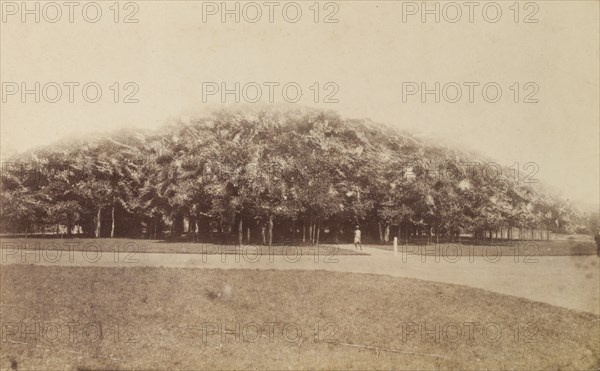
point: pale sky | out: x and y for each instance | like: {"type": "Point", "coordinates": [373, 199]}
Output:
{"type": "Point", "coordinates": [368, 54]}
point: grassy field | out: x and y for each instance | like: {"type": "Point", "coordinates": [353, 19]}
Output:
{"type": "Point", "coordinates": [561, 247]}
{"type": "Point", "coordinates": [160, 318]}
{"type": "Point", "coordinates": [128, 245]}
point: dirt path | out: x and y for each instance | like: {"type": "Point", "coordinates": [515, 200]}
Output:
{"type": "Point", "coordinates": [567, 281]}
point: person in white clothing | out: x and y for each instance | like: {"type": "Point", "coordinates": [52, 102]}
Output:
{"type": "Point", "coordinates": [357, 238]}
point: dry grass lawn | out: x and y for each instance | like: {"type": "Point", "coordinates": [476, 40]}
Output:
{"type": "Point", "coordinates": [499, 248]}
{"type": "Point", "coordinates": [134, 246]}
{"type": "Point", "coordinates": [186, 319]}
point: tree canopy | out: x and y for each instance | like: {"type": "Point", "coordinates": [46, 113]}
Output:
{"type": "Point", "coordinates": [264, 167]}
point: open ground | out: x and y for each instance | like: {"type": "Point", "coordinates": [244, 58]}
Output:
{"type": "Point", "coordinates": [297, 307]}
{"type": "Point", "coordinates": [141, 318]}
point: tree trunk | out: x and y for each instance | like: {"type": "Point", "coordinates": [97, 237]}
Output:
{"type": "Point", "coordinates": [334, 229]}
{"type": "Point", "coordinates": [240, 232]}
{"type": "Point", "coordinates": [192, 228]}
{"type": "Point", "coordinates": [400, 233]}
{"type": "Point", "coordinates": [262, 231]}
{"type": "Point", "coordinates": [318, 231]}
{"type": "Point", "coordinates": [98, 222]}
{"type": "Point", "coordinates": [386, 235]}
{"type": "Point", "coordinates": [209, 225]}
{"type": "Point", "coordinates": [177, 226]}
{"type": "Point", "coordinates": [303, 232]}
{"type": "Point", "coordinates": [155, 227]}
{"type": "Point", "coordinates": [270, 230]}
{"type": "Point", "coordinates": [248, 235]}
{"type": "Point", "coordinates": [380, 232]}
{"type": "Point", "coordinates": [196, 230]}
{"type": "Point", "coordinates": [293, 231]}
{"type": "Point", "coordinates": [112, 227]}
{"type": "Point", "coordinates": [26, 224]}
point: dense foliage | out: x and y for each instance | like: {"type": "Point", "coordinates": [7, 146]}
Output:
{"type": "Point", "coordinates": [269, 174]}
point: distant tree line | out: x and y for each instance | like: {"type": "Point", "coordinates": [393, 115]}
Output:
{"type": "Point", "coordinates": [269, 175]}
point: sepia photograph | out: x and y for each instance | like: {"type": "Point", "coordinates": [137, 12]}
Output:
{"type": "Point", "coordinates": [300, 185]}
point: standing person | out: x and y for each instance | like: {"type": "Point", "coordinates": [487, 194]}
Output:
{"type": "Point", "coordinates": [597, 239]}
{"type": "Point", "coordinates": [357, 236]}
